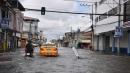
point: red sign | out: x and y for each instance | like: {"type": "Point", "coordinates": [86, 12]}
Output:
{"type": "Point", "coordinates": [126, 24]}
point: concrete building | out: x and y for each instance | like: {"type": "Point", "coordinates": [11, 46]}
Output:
{"type": "Point", "coordinates": [77, 39]}
{"type": "Point", "coordinates": [68, 40]}
{"type": "Point", "coordinates": [8, 24]}
{"type": "Point", "coordinates": [19, 22]}
{"type": "Point", "coordinates": [30, 30]}
{"type": "Point", "coordinates": [83, 39]}
{"type": "Point", "coordinates": [108, 36]}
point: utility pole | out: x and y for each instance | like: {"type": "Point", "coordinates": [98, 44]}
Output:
{"type": "Point", "coordinates": [71, 40]}
{"type": "Point", "coordinates": [92, 31]}
{"type": "Point", "coordinates": [30, 30]}
{"type": "Point", "coordinates": [119, 21]}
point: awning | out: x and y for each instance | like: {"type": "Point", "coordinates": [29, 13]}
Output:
{"type": "Point", "coordinates": [16, 4]}
{"type": "Point", "coordinates": [31, 19]}
{"type": "Point", "coordinates": [85, 41]}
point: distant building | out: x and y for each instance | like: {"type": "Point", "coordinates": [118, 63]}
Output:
{"type": "Point", "coordinates": [77, 39]}
{"type": "Point", "coordinates": [68, 39]}
{"type": "Point", "coordinates": [30, 30]}
{"type": "Point", "coordinates": [83, 39]}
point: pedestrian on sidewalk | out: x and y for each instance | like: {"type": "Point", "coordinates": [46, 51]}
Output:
{"type": "Point", "coordinates": [29, 49]}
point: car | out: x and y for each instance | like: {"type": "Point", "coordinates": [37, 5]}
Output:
{"type": "Point", "coordinates": [48, 50]}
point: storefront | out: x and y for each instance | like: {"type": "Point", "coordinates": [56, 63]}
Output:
{"type": "Point", "coordinates": [1, 40]}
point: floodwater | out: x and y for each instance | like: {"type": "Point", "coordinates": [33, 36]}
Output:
{"type": "Point", "coordinates": [66, 62]}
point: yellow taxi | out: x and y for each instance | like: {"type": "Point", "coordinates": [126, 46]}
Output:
{"type": "Point", "coordinates": [48, 50]}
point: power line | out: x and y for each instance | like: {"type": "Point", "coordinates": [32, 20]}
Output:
{"type": "Point", "coordinates": [66, 12]}
{"type": "Point", "coordinates": [116, 3]}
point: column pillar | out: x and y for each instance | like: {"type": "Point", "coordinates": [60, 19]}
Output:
{"type": "Point", "coordinates": [128, 51]}
{"type": "Point", "coordinates": [113, 44]}
{"type": "Point", "coordinates": [97, 42]}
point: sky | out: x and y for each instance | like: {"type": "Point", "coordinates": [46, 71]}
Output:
{"type": "Point", "coordinates": [55, 25]}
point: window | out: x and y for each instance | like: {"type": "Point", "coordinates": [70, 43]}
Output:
{"type": "Point", "coordinates": [102, 1]}
{"type": "Point", "coordinates": [101, 17]}
{"type": "Point", "coordinates": [127, 11]}
{"type": "Point", "coordinates": [4, 12]}
{"type": "Point", "coordinates": [96, 19]}
{"type": "Point", "coordinates": [113, 11]}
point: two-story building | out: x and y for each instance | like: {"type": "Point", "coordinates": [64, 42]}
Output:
{"type": "Point", "coordinates": [109, 31]}
{"type": "Point", "coordinates": [77, 39]}
{"type": "Point", "coordinates": [83, 39]}
{"type": "Point", "coordinates": [68, 40]}
{"type": "Point", "coordinates": [8, 23]}
{"type": "Point", "coordinates": [30, 30]}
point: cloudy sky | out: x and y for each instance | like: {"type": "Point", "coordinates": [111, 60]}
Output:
{"type": "Point", "coordinates": [54, 24]}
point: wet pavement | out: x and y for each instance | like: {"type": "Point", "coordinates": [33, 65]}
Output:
{"type": "Point", "coordinates": [89, 62]}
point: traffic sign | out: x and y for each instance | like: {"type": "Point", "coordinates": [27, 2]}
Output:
{"type": "Point", "coordinates": [4, 23]}
{"type": "Point", "coordinates": [118, 32]}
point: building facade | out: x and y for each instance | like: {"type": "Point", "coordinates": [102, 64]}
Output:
{"type": "Point", "coordinates": [30, 30]}
{"type": "Point", "coordinates": [109, 32]}
{"type": "Point", "coordinates": [83, 39]}
{"type": "Point", "coordinates": [77, 39]}
{"type": "Point", "coordinates": [8, 24]}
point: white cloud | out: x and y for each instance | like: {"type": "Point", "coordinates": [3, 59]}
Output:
{"type": "Point", "coordinates": [55, 24]}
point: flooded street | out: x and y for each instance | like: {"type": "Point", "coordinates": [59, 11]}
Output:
{"type": "Point", "coordinates": [89, 62]}
{"type": "Point", "coordinates": [100, 28]}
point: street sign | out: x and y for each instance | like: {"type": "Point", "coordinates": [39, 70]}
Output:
{"type": "Point", "coordinates": [118, 32]}
{"type": "Point", "coordinates": [4, 23]}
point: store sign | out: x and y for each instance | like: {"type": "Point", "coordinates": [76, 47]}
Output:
{"type": "Point", "coordinates": [4, 23]}
{"type": "Point", "coordinates": [118, 32]}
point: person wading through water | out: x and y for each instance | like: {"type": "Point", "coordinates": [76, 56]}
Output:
{"type": "Point", "coordinates": [29, 49]}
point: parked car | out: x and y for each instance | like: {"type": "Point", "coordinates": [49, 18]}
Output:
{"type": "Point", "coordinates": [48, 50]}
